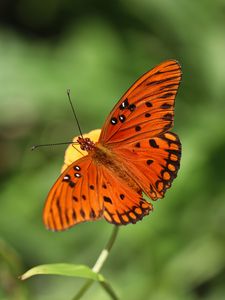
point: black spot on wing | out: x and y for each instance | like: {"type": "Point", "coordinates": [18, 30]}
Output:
{"type": "Point", "coordinates": [76, 168]}
{"type": "Point", "coordinates": [168, 117]}
{"type": "Point", "coordinates": [122, 196]}
{"type": "Point", "coordinates": [148, 104]}
{"type": "Point", "coordinates": [132, 107]}
{"type": "Point", "coordinates": [75, 199]}
{"type": "Point", "coordinates": [122, 118]}
{"type": "Point", "coordinates": [153, 143]}
{"type": "Point", "coordinates": [165, 105]}
{"type": "Point", "coordinates": [167, 95]}
{"type": "Point", "coordinates": [137, 128]}
{"type": "Point", "coordinates": [66, 178]}
{"type": "Point", "coordinates": [124, 104]}
{"type": "Point", "coordinates": [92, 214]}
{"type": "Point", "coordinates": [82, 213]}
{"type": "Point", "coordinates": [72, 184]}
{"type": "Point", "coordinates": [114, 121]}
{"type": "Point", "coordinates": [137, 145]}
{"type": "Point", "coordinates": [107, 199]}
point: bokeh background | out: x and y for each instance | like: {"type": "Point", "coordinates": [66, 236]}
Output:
{"type": "Point", "coordinates": [98, 49]}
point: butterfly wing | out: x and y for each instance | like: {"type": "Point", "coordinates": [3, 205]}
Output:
{"type": "Point", "coordinates": [74, 198]}
{"type": "Point", "coordinates": [137, 129]}
{"type": "Point", "coordinates": [86, 192]}
{"type": "Point", "coordinates": [122, 204]}
{"type": "Point", "coordinates": [146, 109]}
{"type": "Point", "coordinates": [153, 162]}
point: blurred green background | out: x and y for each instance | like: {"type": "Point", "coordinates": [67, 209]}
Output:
{"type": "Point", "coordinates": [98, 49]}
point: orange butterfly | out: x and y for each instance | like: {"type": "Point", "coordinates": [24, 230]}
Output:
{"type": "Point", "coordinates": [135, 153]}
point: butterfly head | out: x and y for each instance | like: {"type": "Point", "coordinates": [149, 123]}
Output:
{"type": "Point", "coordinates": [86, 144]}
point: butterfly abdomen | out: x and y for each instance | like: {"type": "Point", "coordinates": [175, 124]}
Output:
{"type": "Point", "coordinates": [105, 157]}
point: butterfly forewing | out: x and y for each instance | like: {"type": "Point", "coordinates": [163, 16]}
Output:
{"type": "Point", "coordinates": [74, 198]}
{"type": "Point", "coordinates": [147, 108]}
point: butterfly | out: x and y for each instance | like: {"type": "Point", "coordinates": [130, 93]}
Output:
{"type": "Point", "coordinates": [135, 153]}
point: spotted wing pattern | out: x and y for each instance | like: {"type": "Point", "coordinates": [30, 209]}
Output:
{"type": "Point", "coordinates": [122, 205]}
{"type": "Point", "coordinates": [153, 162]}
{"type": "Point", "coordinates": [146, 109]}
{"type": "Point", "coordinates": [86, 192]}
{"type": "Point", "coordinates": [74, 198]}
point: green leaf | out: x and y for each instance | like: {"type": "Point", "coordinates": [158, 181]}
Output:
{"type": "Point", "coordinates": [81, 271]}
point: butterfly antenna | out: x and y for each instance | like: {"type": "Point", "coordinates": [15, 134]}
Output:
{"type": "Point", "coordinates": [49, 145]}
{"type": "Point", "coordinates": [77, 150]}
{"type": "Point", "coordinates": [75, 116]}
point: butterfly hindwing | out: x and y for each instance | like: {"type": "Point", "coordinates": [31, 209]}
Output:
{"type": "Point", "coordinates": [146, 109]}
{"type": "Point", "coordinates": [122, 204]}
{"type": "Point", "coordinates": [74, 198]}
{"type": "Point", "coordinates": [153, 162]}
{"type": "Point", "coordinates": [86, 192]}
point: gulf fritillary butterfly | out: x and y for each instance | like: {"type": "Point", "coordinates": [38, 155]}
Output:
{"type": "Point", "coordinates": [135, 153]}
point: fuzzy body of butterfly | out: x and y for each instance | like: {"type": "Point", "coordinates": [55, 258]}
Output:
{"type": "Point", "coordinates": [134, 153]}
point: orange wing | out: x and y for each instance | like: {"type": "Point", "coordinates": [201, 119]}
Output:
{"type": "Point", "coordinates": [146, 109]}
{"type": "Point", "coordinates": [137, 129]}
{"type": "Point", "coordinates": [122, 205]}
{"type": "Point", "coordinates": [153, 162]}
{"type": "Point", "coordinates": [86, 192]}
{"type": "Point", "coordinates": [74, 198]}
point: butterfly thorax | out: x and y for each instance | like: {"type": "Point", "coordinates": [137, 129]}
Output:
{"type": "Point", "coordinates": [86, 144]}
{"type": "Point", "coordinates": [104, 155]}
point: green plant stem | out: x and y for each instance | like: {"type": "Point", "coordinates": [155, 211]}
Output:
{"type": "Point", "coordinates": [97, 267]}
